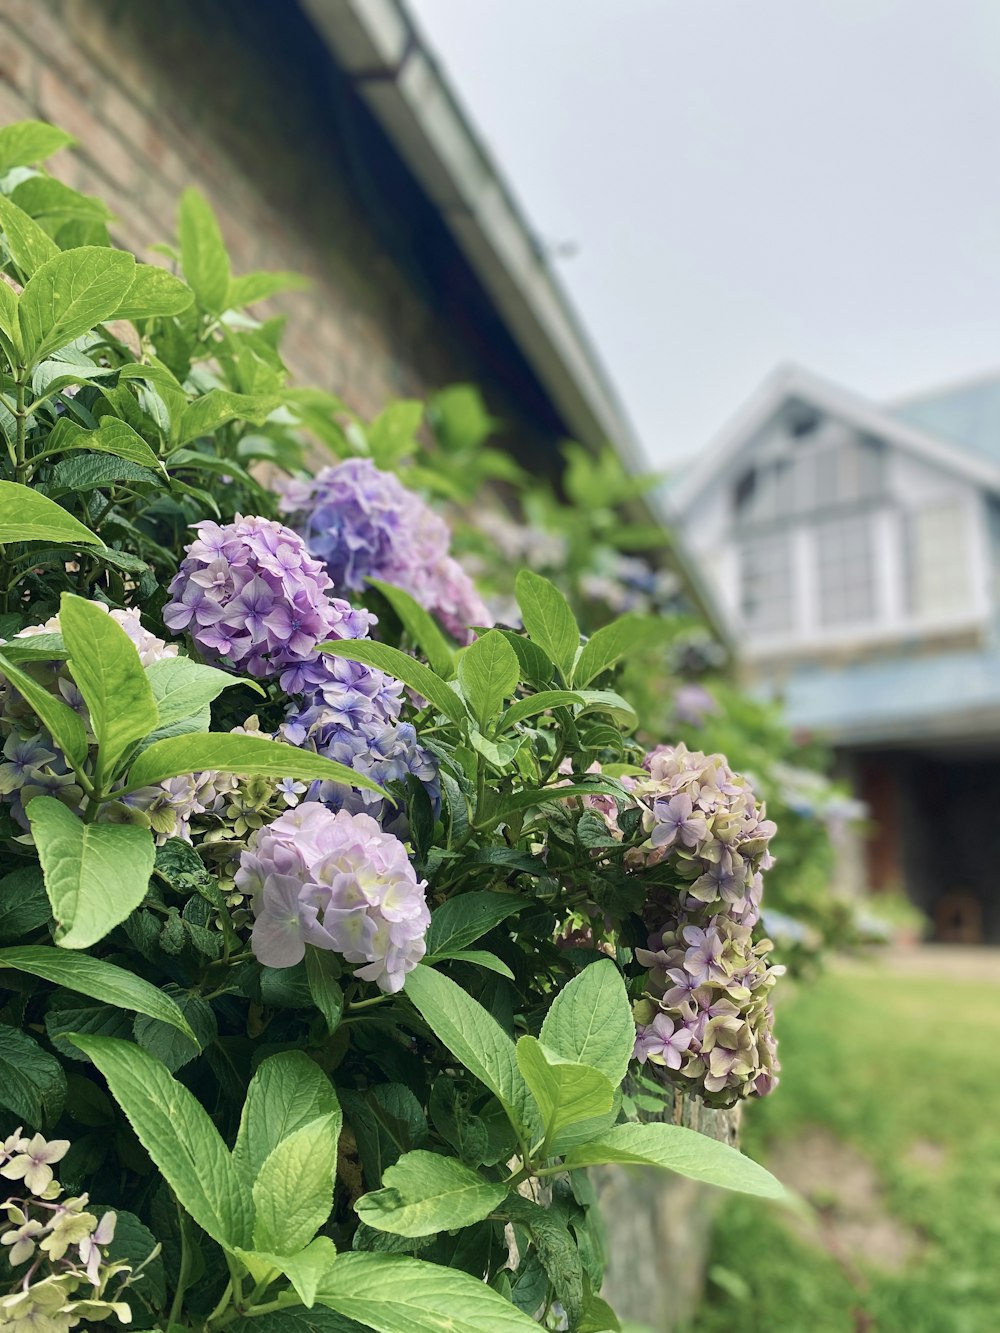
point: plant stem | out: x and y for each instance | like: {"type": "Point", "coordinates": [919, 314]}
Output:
{"type": "Point", "coordinates": [184, 1272]}
{"type": "Point", "coordinates": [22, 470]}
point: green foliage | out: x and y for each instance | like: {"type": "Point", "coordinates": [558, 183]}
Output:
{"type": "Point", "coordinates": [310, 1153]}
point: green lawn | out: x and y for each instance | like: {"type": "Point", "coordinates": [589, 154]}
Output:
{"type": "Point", "coordinates": [905, 1069]}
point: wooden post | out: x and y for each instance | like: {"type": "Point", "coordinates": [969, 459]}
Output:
{"type": "Point", "coordinates": [658, 1228]}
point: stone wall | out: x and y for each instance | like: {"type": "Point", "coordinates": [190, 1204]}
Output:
{"type": "Point", "coordinates": [241, 99]}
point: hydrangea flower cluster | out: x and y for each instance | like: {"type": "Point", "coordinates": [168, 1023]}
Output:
{"type": "Point", "coordinates": [33, 765]}
{"type": "Point", "coordinates": [693, 704]}
{"type": "Point", "coordinates": [68, 1274]}
{"type": "Point", "coordinates": [364, 523]}
{"type": "Point", "coordinates": [335, 881]}
{"type": "Point", "coordinates": [251, 595]}
{"type": "Point", "coordinates": [705, 1014]}
{"type": "Point", "coordinates": [370, 740]}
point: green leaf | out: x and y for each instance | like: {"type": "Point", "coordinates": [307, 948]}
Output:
{"type": "Point", "coordinates": [590, 1021]}
{"type": "Point", "coordinates": [105, 664]}
{"type": "Point", "coordinates": [293, 1192]}
{"type": "Point", "coordinates": [538, 703]}
{"type": "Point", "coordinates": [475, 1038]}
{"type": "Point", "coordinates": [206, 414]}
{"type": "Point", "coordinates": [29, 244]}
{"type": "Point", "coordinates": [394, 1294]}
{"type": "Point", "coordinates": [421, 627]}
{"type": "Point", "coordinates": [605, 648]}
{"type": "Point", "coordinates": [176, 1131]}
{"type": "Point", "coordinates": [8, 315]}
{"type": "Point", "coordinates": [322, 971]}
{"type": "Point", "coordinates": [467, 917]}
{"type": "Point", "coordinates": [154, 292]}
{"type": "Point", "coordinates": [536, 669]}
{"type": "Point", "coordinates": [87, 472]}
{"type": "Point", "coordinates": [477, 957]}
{"type": "Point", "coordinates": [297, 1320]}
{"type": "Point", "coordinates": [523, 800]}
{"type": "Point", "coordinates": [392, 435]}
{"type": "Point", "coordinates": [95, 874]}
{"type": "Point", "coordinates": [250, 756]}
{"type": "Point", "coordinates": [98, 980]}
{"type": "Point", "coordinates": [29, 141]}
{"type": "Point", "coordinates": [46, 197]}
{"type": "Point", "coordinates": [287, 1092]}
{"type": "Point", "coordinates": [117, 437]}
{"type": "Point", "coordinates": [425, 1193]}
{"type": "Point", "coordinates": [28, 516]}
{"type": "Point", "coordinates": [69, 294]}
{"type": "Point", "coordinates": [404, 668]}
{"type": "Point", "coordinates": [24, 907]}
{"type": "Point", "coordinates": [681, 1150]}
{"type": "Point", "coordinates": [203, 252]}
{"type": "Point", "coordinates": [564, 1091]}
{"type": "Point", "coordinates": [249, 288]}
{"type": "Point", "coordinates": [488, 673]}
{"type": "Point", "coordinates": [548, 619]}
{"type": "Point", "coordinates": [181, 687]}
{"type": "Point", "coordinates": [557, 1250]}
{"type": "Point", "coordinates": [170, 1046]}
{"type": "Point", "coordinates": [305, 1270]}
{"type": "Point", "coordinates": [32, 1083]}
{"type": "Point", "coordinates": [60, 721]}
{"type": "Point", "coordinates": [612, 704]}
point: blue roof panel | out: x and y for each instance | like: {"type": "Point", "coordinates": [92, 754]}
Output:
{"type": "Point", "coordinates": [968, 416]}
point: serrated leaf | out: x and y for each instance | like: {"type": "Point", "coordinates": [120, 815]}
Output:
{"type": "Point", "coordinates": [477, 957]}
{"type": "Point", "coordinates": [95, 874]}
{"type": "Point", "coordinates": [206, 414]}
{"type": "Point", "coordinates": [538, 703]}
{"type": "Point", "coordinates": [305, 1270]}
{"type": "Point", "coordinates": [395, 1294]}
{"type": "Point", "coordinates": [69, 294]}
{"type": "Point", "coordinates": [98, 980]}
{"type": "Point", "coordinates": [287, 1092]}
{"type": "Point", "coordinates": [182, 687]}
{"type": "Point", "coordinates": [250, 756]}
{"type": "Point", "coordinates": [154, 292]}
{"type": "Point", "coordinates": [63, 724]}
{"type": "Point", "coordinates": [608, 645]}
{"type": "Point", "coordinates": [421, 627]}
{"type": "Point", "coordinates": [424, 1193]}
{"type": "Point", "coordinates": [293, 1191]}
{"type": "Point", "coordinates": [28, 516]}
{"type": "Point", "coordinates": [32, 1083]}
{"type": "Point", "coordinates": [203, 252]}
{"type": "Point", "coordinates": [681, 1150]}
{"type": "Point", "coordinates": [590, 1021]}
{"type": "Point", "coordinates": [105, 664]}
{"type": "Point", "coordinates": [488, 673]}
{"type": "Point", "coordinates": [29, 141]}
{"type": "Point", "coordinates": [8, 315]}
{"type": "Point", "coordinates": [322, 971]}
{"type": "Point", "coordinates": [564, 1091]}
{"type": "Point", "coordinates": [475, 1038]}
{"type": "Point", "coordinates": [29, 244]}
{"type": "Point", "coordinates": [548, 619]}
{"type": "Point", "coordinates": [402, 667]}
{"type": "Point", "coordinates": [87, 471]}
{"type": "Point", "coordinates": [24, 907]}
{"type": "Point", "coordinates": [467, 917]}
{"type": "Point", "coordinates": [114, 436]}
{"type": "Point", "coordinates": [176, 1131]}
{"type": "Point", "coordinates": [167, 1043]}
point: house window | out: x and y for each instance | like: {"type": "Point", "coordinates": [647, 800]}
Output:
{"type": "Point", "coordinates": [845, 574]}
{"type": "Point", "coordinates": [766, 584]}
{"type": "Point", "coordinates": [938, 567]}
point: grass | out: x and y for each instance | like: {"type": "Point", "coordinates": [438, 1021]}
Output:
{"type": "Point", "coordinates": [884, 1062]}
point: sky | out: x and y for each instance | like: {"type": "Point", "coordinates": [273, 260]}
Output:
{"type": "Point", "coordinates": [748, 182]}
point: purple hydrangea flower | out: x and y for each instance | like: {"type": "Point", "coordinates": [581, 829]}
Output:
{"type": "Point", "coordinates": [662, 1042]}
{"type": "Point", "coordinates": [364, 523]}
{"type": "Point", "coordinates": [250, 593]}
{"type": "Point", "coordinates": [339, 882]}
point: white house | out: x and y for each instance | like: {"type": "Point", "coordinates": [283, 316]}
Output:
{"type": "Point", "coordinates": [854, 552]}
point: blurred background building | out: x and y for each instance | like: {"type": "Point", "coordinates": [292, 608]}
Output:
{"type": "Point", "coordinates": [854, 549]}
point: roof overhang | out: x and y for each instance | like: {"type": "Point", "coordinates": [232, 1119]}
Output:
{"type": "Point", "coordinates": [377, 45]}
{"type": "Point", "coordinates": [789, 382]}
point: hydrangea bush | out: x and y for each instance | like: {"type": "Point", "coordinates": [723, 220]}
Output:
{"type": "Point", "coordinates": [332, 920]}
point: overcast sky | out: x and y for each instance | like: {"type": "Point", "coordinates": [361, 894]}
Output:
{"type": "Point", "coordinates": [750, 181]}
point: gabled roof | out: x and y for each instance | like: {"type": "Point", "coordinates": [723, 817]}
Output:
{"type": "Point", "coordinates": [793, 382]}
{"type": "Point", "coordinates": [966, 414]}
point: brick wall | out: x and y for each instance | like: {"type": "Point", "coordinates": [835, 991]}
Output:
{"type": "Point", "coordinates": [240, 98]}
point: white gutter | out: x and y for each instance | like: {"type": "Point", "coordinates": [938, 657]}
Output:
{"type": "Point", "coordinates": [376, 43]}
